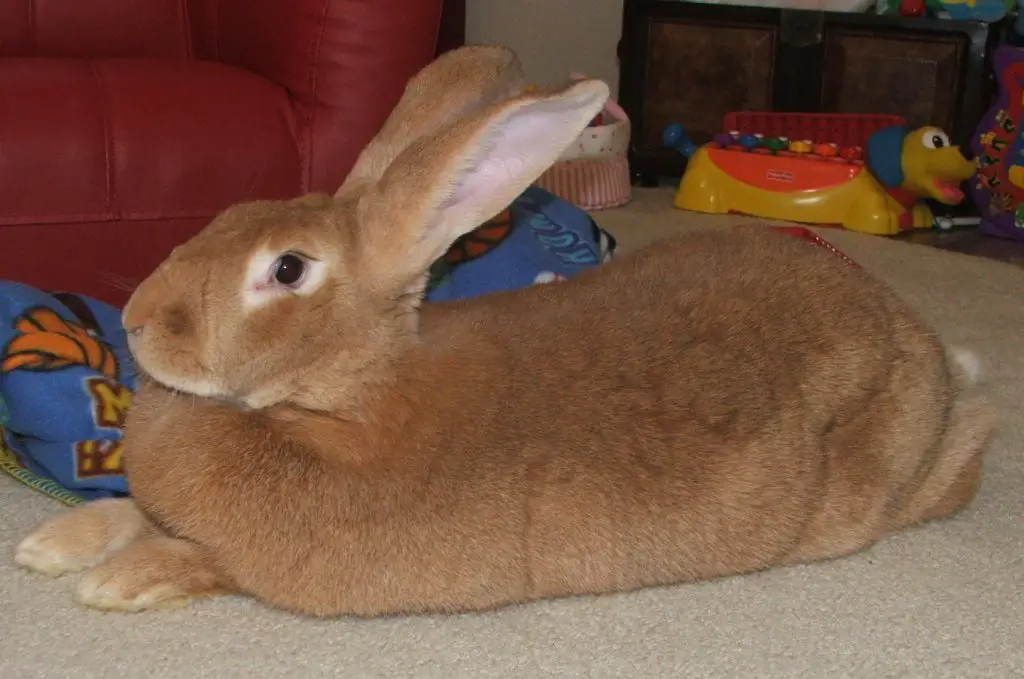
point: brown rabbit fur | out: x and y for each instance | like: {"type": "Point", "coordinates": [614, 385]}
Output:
{"type": "Point", "coordinates": [716, 404]}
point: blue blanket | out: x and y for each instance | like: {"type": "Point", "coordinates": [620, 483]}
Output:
{"type": "Point", "coordinates": [66, 381]}
{"type": "Point", "coordinates": [66, 375]}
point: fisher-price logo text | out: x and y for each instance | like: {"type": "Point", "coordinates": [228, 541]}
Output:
{"type": "Point", "coordinates": [779, 176]}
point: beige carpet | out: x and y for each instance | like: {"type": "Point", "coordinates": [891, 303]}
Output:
{"type": "Point", "coordinates": [946, 601]}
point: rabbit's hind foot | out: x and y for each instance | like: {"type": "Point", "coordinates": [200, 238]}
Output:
{"type": "Point", "coordinates": [151, 573]}
{"type": "Point", "coordinates": [955, 475]}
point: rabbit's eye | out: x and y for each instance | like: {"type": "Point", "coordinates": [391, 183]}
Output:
{"type": "Point", "coordinates": [271, 275]}
{"type": "Point", "coordinates": [289, 269]}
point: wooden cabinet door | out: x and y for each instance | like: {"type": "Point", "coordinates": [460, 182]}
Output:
{"type": "Point", "coordinates": [698, 72]}
{"type": "Point", "coordinates": [692, 63]}
{"type": "Point", "coordinates": [929, 77]}
{"type": "Point", "coordinates": [684, 64]}
{"type": "Point", "coordinates": [918, 80]}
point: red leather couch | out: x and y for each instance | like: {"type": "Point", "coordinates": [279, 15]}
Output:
{"type": "Point", "coordinates": [125, 125]}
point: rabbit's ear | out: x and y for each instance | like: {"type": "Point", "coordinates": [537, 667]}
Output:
{"type": "Point", "coordinates": [442, 187]}
{"type": "Point", "coordinates": [456, 84]}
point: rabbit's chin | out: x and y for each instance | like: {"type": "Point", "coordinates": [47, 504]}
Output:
{"type": "Point", "coordinates": [256, 400]}
{"type": "Point", "coordinates": [192, 386]}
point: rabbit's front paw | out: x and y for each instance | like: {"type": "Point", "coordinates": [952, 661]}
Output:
{"type": "Point", "coordinates": [151, 573]}
{"type": "Point", "coordinates": [81, 538]}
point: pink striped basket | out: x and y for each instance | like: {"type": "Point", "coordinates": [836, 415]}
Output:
{"type": "Point", "coordinates": [594, 172]}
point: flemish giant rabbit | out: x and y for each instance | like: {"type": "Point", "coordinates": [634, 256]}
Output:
{"type": "Point", "coordinates": [307, 433]}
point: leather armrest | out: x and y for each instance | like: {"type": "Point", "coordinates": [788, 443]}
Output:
{"type": "Point", "coordinates": [344, 64]}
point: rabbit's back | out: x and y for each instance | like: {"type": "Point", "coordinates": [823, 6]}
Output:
{"type": "Point", "coordinates": [705, 407]}
{"type": "Point", "coordinates": [715, 337]}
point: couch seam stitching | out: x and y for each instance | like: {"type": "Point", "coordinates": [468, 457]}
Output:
{"type": "Point", "coordinates": [31, 19]}
{"type": "Point", "coordinates": [186, 25]}
{"type": "Point", "coordinates": [314, 63]}
{"type": "Point", "coordinates": [47, 220]}
{"type": "Point", "coordinates": [108, 139]}
{"type": "Point", "coordinates": [216, 30]}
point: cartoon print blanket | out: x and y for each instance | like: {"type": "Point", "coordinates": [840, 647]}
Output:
{"type": "Point", "coordinates": [66, 381]}
{"type": "Point", "coordinates": [540, 238]}
{"type": "Point", "coordinates": [66, 375]}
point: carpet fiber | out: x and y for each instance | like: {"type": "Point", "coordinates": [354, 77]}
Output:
{"type": "Point", "coordinates": [944, 601]}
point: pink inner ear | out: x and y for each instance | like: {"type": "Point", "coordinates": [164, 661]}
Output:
{"type": "Point", "coordinates": [511, 156]}
{"type": "Point", "coordinates": [484, 171]}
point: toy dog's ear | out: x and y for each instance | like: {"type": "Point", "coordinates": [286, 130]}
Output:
{"type": "Point", "coordinates": [884, 155]}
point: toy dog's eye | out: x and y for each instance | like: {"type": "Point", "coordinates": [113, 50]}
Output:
{"type": "Point", "coordinates": [289, 269]}
{"type": "Point", "coordinates": [936, 140]}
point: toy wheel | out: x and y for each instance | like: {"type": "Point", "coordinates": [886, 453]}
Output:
{"type": "Point", "coordinates": [943, 223]}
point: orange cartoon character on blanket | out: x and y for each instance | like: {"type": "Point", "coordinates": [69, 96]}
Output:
{"type": "Point", "coordinates": [48, 342]}
{"type": "Point", "coordinates": [67, 381]}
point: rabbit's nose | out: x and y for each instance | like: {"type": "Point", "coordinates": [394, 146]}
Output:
{"type": "Point", "coordinates": [131, 325]}
{"type": "Point", "coordinates": [141, 305]}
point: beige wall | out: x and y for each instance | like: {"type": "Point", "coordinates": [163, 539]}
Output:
{"type": "Point", "coordinates": [552, 37]}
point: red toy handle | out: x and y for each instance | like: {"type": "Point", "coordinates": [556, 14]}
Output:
{"type": "Point", "coordinates": [912, 8]}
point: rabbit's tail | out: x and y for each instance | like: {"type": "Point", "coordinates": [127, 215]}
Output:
{"type": "Point", "coordinates": [965, 367]}
{"type": "Point", "coordinates": [952, 479]}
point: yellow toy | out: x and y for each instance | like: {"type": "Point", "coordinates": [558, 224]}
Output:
{"type": "Point", "coordinates": [880, 194]}
{"type": "Point", "coordinates": [800, 146]}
